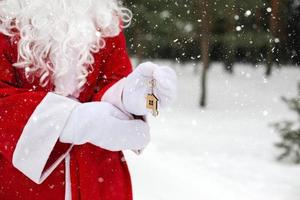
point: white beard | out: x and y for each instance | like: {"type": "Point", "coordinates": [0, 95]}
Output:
{"type": "Point", "coordinates": [58, 37]}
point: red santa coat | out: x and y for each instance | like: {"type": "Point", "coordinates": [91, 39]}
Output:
{"type": "Point", "coordinates": [95, 173]}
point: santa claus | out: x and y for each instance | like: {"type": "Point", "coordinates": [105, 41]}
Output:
{"type": "Point", "coordinates": [69, 101]}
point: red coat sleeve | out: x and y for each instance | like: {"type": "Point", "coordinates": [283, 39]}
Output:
{"type": "Point", "coordinates": [17, 106]}
{"type": "Point", "coordinates": [116, 64]}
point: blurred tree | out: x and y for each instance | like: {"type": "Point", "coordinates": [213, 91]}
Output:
{"type": "Point", "coordinates": [293, 30]}
{"type": "Point", "coordinates": [240, 30]}
{"type": "Point", "coordinates": [161, 28]}
{"type": "Point", "coordinates": [205, 42]}
{"type": "Point", "coordinates": [290, 132]}
{"type": "Point", "coordinates": [274, 30]}
{"type": "Point", "coordinates": [256, 31]}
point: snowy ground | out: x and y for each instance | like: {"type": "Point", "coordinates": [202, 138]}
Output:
{"type": "Point", "coordinates": [225, 151]}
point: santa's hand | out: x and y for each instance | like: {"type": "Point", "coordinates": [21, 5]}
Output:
{"type": "Point", "coordinates": [105, 126]}
{"type": "Point", "coordinates": [138, 84]}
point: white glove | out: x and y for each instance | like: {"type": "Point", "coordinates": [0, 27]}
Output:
{"type": "Point", "coordinates": [105, 126]}
{"type": "Point", "coordinates": [137, 86]}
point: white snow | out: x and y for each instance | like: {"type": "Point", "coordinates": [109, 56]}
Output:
{"type": "Point", "coordinates": [226, 151]}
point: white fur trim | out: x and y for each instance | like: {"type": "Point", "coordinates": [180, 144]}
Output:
{"type": "Point", "coordinates": [68, 192]}
{"type": "Point", "coordinates": [39, 136]}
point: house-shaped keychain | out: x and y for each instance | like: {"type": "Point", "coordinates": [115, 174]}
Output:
{"type": "Point", "coordinates": [152, 103]}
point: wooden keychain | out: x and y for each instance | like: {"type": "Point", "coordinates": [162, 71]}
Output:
{"type": "Point", "coordinates": [152, 100]}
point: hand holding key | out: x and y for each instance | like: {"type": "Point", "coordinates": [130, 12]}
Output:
{"type": "Point", "coordinates": [139, 95]}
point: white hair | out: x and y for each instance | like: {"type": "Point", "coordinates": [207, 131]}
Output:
{"type": "Point", "coordinates": [58, 37]}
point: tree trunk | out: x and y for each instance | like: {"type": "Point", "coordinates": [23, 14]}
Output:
{"type": "Point", "coordinates": [230, 47]}
{"type": "Point", "coordinates": [274, 25]}
{"type": "Point", "coordinates": [205, 36]}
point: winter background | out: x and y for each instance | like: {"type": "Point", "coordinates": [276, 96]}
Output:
{"type": "Point", "coordinates": [245, 56]}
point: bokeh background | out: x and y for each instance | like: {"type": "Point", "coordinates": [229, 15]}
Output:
{"type": "Point", "coordinates": [255, 31]}
{"type": "Point", "coordinates": [234, 131]}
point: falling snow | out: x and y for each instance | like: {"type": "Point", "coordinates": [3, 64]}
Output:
{"type": "Point", "coordinates": [225, 151]}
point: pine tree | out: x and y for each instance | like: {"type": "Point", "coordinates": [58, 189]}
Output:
{"type": "Point", "coordinates": [290, 132]}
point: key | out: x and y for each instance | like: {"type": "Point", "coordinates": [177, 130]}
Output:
{"type": "Point", "coordinates": [152, 100]}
